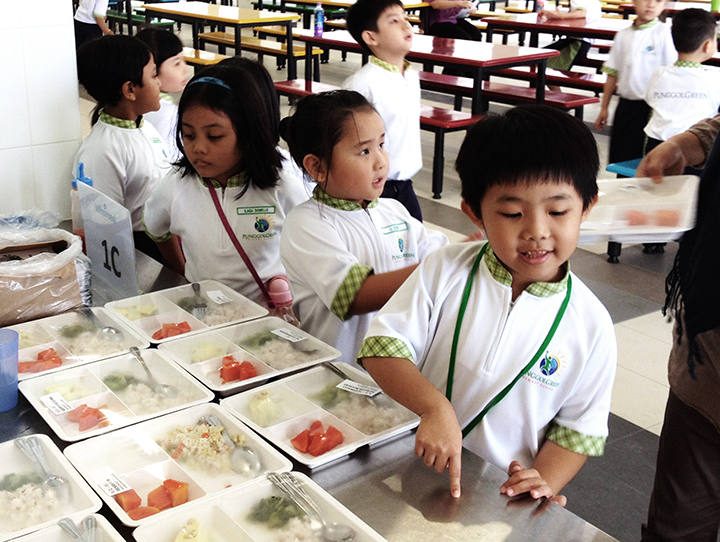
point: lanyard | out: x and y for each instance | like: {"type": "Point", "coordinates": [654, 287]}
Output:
{"type": "Point", "coordinates": [456, 337]}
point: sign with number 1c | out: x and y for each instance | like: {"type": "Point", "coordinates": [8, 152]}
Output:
{"type": "Point", "coordinates": [109, 239]}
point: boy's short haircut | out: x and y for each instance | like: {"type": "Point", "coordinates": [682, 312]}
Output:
{"type": "Point", "coordinates": [364, 14]}
{"type": "Point", "coordinates": [691, 28]}
{"type": "Point", "coordinates": [105, 64]}
{"type": "Point", "coordinates": [162, 44]}
{"type": "Point", "coordinates": [528, 144]}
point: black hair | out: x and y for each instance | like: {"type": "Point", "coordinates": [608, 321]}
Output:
{"type": "Point", "coordinates": [364, 14]}
{"type": "Point", "coordinates": [162, 44]}
{"type": "Point", "coordinates": [691, 28]}
{"type": "Point", "coordinates": [105, 64]}
{"type": "Point", "coordinates": [528, 144]}
{"type": "Point", "coordinates": [253, 115]}
{"type": "Point", "coordinates": [319, 123]}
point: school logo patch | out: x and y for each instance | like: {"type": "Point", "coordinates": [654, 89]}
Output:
{"type": "Point", "coordinates": [262, 224]}
{"type": "Point", "coordinates": [549, 364]}
{"type": "Point", "coordinates": [548, 372]}
{"type": "Point", "coordinates": [401, 244]}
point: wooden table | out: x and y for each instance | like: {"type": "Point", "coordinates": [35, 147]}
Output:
{"type": "Point", "coordinates": [431, 50]}
{"type": "Point", "coordinates": [199, 14]}
{"type": "Point", "coordinates": [671, 8]}
{"type": "Point", "coordinates": [528, 22]}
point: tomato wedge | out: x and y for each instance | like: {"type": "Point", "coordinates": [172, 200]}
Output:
{"type": "Point", "coordinates": [302, 441]}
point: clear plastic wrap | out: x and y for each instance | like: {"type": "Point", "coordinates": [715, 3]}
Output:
{"type": "Point", "coordinates": [41, 284]}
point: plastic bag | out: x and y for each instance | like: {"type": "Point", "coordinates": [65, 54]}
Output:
{"type": "Point", "coordinates": [42, 284]}
{"type": "Point", "coordinates": [28, 220]}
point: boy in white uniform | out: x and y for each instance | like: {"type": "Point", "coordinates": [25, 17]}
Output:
{"type": "Point", "coordinates": [637, 51]}
{"type": "Point", "coordinates": [511, 329]}
{"type": "Point", "coordinates": [685, 93]}
{"type": "Point", "coordinates": [90, 22]}
{"type": "Point", "coordinates": [381, 27]}
{"type": "Point", "coordinates": [124, 154]}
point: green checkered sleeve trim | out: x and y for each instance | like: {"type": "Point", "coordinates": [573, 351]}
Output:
{"type": "Point", "coordinates": [384, 347]}
{"type": "Point", "coordinates": [609, 71]}
{"type": "Point", "coordinates": [576, 442]}
{"type": "Point", "coordinates": [160, 239]}
{"type": "Point", "coordinates": [345, 295]}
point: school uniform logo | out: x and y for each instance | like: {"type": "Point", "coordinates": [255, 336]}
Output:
{"type": "Point", "coordinates": [262, 224]}
{"type": "Point", "coordinates": [263, 221]}
{"type": "Point", "coordinates": [547, 372]}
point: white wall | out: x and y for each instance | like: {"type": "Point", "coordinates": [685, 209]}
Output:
{"type": "Point", "coordinates": [40, 128]}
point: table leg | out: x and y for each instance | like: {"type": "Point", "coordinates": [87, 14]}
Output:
{"type": "Point", "coordinates": [534, 38]}
{"type": "Point", "coordinates": [477, 104]}
{"type": "Point", "coordinates": [540, 90]}
{"type": "Point", "coordinates": [308, 64]}
{"type": "Point", "coordinates": [291, 60]}
{"type": "Point", "coordinates": [238, 40]}
{"type": "Point", "coordinates": [489, 32]}
{"type": "Point", "coordinates": [195, 35]}
{"type": "Point", "coordinates": [129, 11]}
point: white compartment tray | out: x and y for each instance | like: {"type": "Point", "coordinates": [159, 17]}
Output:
{"type": "Point", "coordinates": [104, 532]}
{"type": "Point", "coordinates": [21, 511]}
{"type": "Point", "coordinates": [226, 518]}
{"type": "Point", "coordinates": [55, 395]}
{"type": "Point", "coordinates": [636, 210]}
{"type": "Point", "coordinates": [273, 346]}
{"type": "Point", "coordinates": [279, 411]}
{"type": "Point", "coordinates": [148, 313]}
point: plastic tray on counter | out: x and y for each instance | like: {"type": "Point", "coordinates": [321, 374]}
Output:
{"type": "Point", "coordinates": [636, 210]}
{"type": "Point", "coordinates": [148, 313]}
{"type": "Point", "coordinates": [273, 346]}
{"type": "Point", "coordinates": [104, 532]}
{"type": "Point", "coordinates": [281, 410]}
{"type": "Point", "coordinates": [227, 518]}
{"type": "Point", "coordinates": [170, 447]}
{"type": "Point", "coordinates": [28, 508]}
{"type": "Point", "coordinates": [59, 397]}
{"type": "Point", "coordinates": [75, 338]}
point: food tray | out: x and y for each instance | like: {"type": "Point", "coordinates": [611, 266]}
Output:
{"type": "Point", "coordinates": [54, 394]}
{"type": "Point", "coordinates": [136, 457]}
{"type": "Point", "coordinates": [104, 532]}
{"type": "Point", "coordinates": [90, 343]}
{"type": "Point", "coordinates": [240, 341]}
{"type": "Point", "coordinates": [299, 406]}
{"type": "Point", "coordinates": [226, 517]}
{"type": "Point", "coordinates": [637, 210]}
{"type": "Point", "coordinates": [14, 518]}
{"type": "Point", "coordinates": [147, 313]}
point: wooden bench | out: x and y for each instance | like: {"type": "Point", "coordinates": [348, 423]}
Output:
{"type": "Point", "coordinates": [438, 120]}
{"type": "Point", "coordinates": [117, 18]}
{"type": "Point", "coordinates": [583, 81]}
{"type": "Point", "coordinates": [200, 59]}
{"type": "Point", "coordinates": [305, 10]}
{"type": "Point", "coordinates": [497, 92]}
{"type": "Point", "coordinates": [259, 46]}
{"type": "Point", "coordinates": [280, 34]}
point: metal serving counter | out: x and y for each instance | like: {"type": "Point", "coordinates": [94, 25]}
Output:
{"type": "Point", "coordinates": [387, 486]}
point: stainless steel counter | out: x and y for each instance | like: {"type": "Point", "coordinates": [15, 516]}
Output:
{"type": "Point", "coordinates": [387, 486]}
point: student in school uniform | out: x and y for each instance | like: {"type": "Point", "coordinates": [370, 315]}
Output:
{"type": "Point", "coordinates": [90, 21]}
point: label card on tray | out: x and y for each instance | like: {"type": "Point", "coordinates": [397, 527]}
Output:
{"type": "Point", "coordinates": [360, 389]}
{"type": "Point", "coordinates": [110, 482]}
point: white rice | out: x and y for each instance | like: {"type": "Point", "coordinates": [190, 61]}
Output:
{"type": "Point", "coordinates": [207, 453]}
{"type": "Point", "coordinates": [27, 506]}
{"type": "Point", "coordinates": [142, 400]}
{"type": "Point", "coordinates": [280, 354]}
{"type": "Point", "coordinates": [366, 416]}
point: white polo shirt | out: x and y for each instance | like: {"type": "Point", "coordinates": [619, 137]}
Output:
{"type": "Point", "coordinates": [569, 386]}
{"type": "Point", "coordinates": [636, 53]}
{"type": "Point", "coordinates": [396, 97]}
{"type": "Point", "coordinates": [681, 95]}
{"type": "Point", "coordinates": [89, 9]}
{"type": "Point", "coordinates": [330, 246]}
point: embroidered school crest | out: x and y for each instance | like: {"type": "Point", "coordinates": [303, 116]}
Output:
{"type": "Point", "coordinates": [549, 364]}
{"type": "Point", "coordinates": [262, 224]}
{"type": "Point", "coordinates": [401, 244]}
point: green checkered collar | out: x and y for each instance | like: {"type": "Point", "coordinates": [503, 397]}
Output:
{"type": "Point", "coordinates": [392, 68]}
{"type": "Point", "coordinates": [687, 64]}
{"type": "Point", "coordinates": [342, 204]}
{"type": "Point", "coordinates": [121, 123]}
{"type": "Point", "coordinates": [539, 289]}
{"type": "Point", "coordinates": [649, 24]}
{"type": "Point", "coordinates": [233, 182]}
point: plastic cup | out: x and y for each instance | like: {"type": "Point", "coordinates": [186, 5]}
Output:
{"type": "Point", "coordinates": [9, 340]}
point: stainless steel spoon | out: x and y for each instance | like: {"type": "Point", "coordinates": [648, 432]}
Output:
{"type": "Point", "coordinates": [164, 390]}
{"type": "Point", "coordinates": [33, 449]}
{"type": "Point", "coordinates": [70, 528]}
{"type": "Point", "coordinates": [243, 459]}
{"type": "Point", "coordinates": [110, 331]}
{"type": "Point", "coordinates": [89, 526]}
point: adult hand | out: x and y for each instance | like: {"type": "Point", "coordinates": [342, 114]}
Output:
{"type": "Point", "coordinates": [665, 159]}
{"type": "Point", "coordinates": [439, 443]}
{"type": "Point", "coordinates": [601, 121]}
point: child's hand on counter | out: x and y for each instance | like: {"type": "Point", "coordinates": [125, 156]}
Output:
{"type": "Point", "coordinates": [528, 481]}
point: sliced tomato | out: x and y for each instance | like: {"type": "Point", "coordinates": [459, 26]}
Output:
{"type": "Point", "coordinates": [47, 354]}
{"type": "Point", "coordinates": [333, 437]}
{"type": "Point", "coordinates": [230, 372]}
{"type": "Point", "coordinates": [318, 444]}
{"type": "Point", "coordinates": [301, 441]}
{"type": "Point", "coordinates": [29, 367]}
{"type": "Point", "coordinates": [316, 427]}
{"type": "Point", "coordinates": [228, 360]}
{"type": "Point", "coordinates": [247, 370]}
{"type": "Point", "coordinates": [76, 414]}
{"type": "Point", "coordinates": [184, 327]}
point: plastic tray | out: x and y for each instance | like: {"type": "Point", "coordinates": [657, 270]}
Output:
{"type": "Point", "coordinates": [226, 517]}
{"type": "Point", "coordinates": [632, 210]}
{"type": "Point", "coordinates": [82, 500]}
{"type": "Point", "coordinates": [299, 406]}
{"type": "Point", "coordinates": [91, 344]}
{"type": "Point", "coordinates": [84, 386]}
{"type": "Point", "coordinates": [240, 341]}
{"type": "Point", "coordinates": [147, 313]}
{"type": "Point", "coordinates": [104, 532]}
{"type": "Point", "coordinates": [136, 455]}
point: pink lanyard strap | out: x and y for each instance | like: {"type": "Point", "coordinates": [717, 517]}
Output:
{"type": "Point", "coordinates": [239, 248]}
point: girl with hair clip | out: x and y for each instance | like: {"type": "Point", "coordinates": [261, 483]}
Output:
{"type": "Point", "coordinates": [228, 197]}
{"type": "Point", "coordinates": [345, 250]}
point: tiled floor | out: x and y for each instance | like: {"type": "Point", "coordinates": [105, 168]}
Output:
{"type": "Point", "coordinates": [613, 491]}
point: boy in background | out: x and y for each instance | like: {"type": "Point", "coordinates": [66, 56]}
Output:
{"type": "Point", "coordinates": [684, 93]}
{"type": "Point", "coordinates": [90, 22]}
{"type": "Point", "coordinates": [123, 154]}
{"type": "Point", "coordinates": [506, 326]}
{"type": "Point", "coordinates": [637, 51]}
{"type": "Point", "coordinates": [381, 27]}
